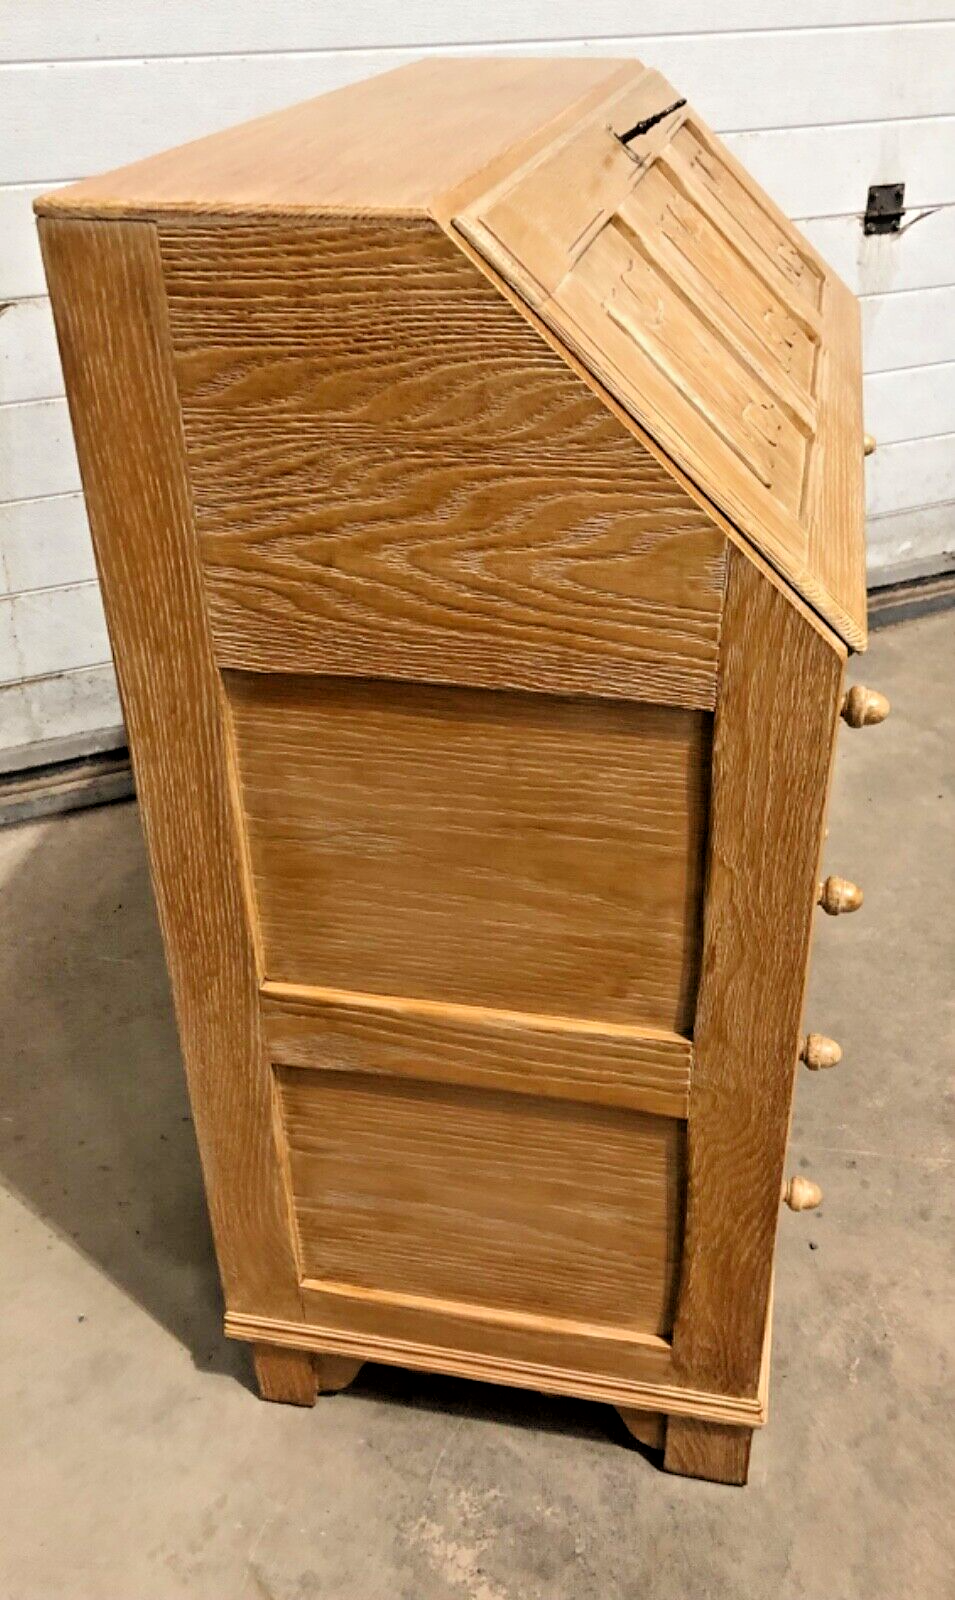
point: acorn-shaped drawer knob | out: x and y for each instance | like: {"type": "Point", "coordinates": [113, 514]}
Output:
{"type": "Point", "coordinates": [817, 1052]}
{"type": "Point", "coordinates": [868, 444]}
{"type": "Point", "coordinates": [863, 708]}
{"type": "Point", "coordinates": [837, 895]}
{"type": "Point", "coordinates": [801, 1194]}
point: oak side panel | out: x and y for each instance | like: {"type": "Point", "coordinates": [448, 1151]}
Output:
{"type": "Point", "coordinates": [107, 292]}
{"type": "Point", "coordinates": [773, 741]}
{"type": "Point", "coordinates": [515, 851]}
{"type": "Point", "coordinates": [440, 1193]}
{"type": "Point", "coordinates": [601, 1063]}
{"type": "Point", "coordinates": [394, 475]}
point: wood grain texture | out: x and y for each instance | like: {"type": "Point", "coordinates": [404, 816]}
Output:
{"type": "Point", "coordinates": [287, 1376]}
{"type": "Point", "coordinates": [617, 1371]}
{"type": "Point", "coordinates": [519, 852]}
{"type": "Point", "coordinates": [390, 143]}
{"type": "Point", "coordinates": [773, 742]}
{"type": "Point", "coordinates": [352, 1319]}
{"type": "Point", "coordinates": [713, 1450]}
{"type": "Point", "coordinates": [563, 1058]}
{"type": "Point", "coordinates": [459, 1195]}
{"type": "Point", "coordinates": [394, 475]}
{"type": "Point", "coordinates": [575, 364]}
{"type": "Point", "coordinates": [570, 189]}
{"type": "Point", "coordinates": [108, 299]}
{"type": "Point", "coordinates": [835, 497]}
{"type": "Point", "coordinates": [769, 340]}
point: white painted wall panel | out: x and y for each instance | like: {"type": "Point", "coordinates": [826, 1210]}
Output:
{"type": "Point", "coordinates": [37, 455]}
{"type": "Point", "coordinates": [53, 630]}
{"type": "Point", "coordinates": [919, 472]}
{"type": "Point", "coordinates": [21, 270]}
{"type": "Point", "coordinates": [80, 706]}
{"type": "Point", "coordinates": [44, 543]}
{"type": "Point", "coordinates": [29, 358]}
{"type": "Point", "coordinates": [912, 543]}
{"type": "Point", "coordinates": [893, 399]}
{"type": "Point", "coordinates": [11, 663]}
{"type": "Point", "coordinates": [920, 256]}
{"type": "Point", "coordinates": [826, 171]}
{"type": "Point", "coordinates": [908, 329]}
{"type": "Point", "coordinates": [737, 80]}
{"type": "Point", "coordinates": [60, 30]}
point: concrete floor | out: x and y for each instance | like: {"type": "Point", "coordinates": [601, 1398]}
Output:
{"type": "Point", "coordinates": [135, 1460]}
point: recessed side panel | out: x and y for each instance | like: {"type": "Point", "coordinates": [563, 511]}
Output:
{"type": "Point", "coordinates": [394, 475]}
{"type": "Point", "coordinates": [530, 1208]}
{"type": "Point", "coordinates": [524, 852]}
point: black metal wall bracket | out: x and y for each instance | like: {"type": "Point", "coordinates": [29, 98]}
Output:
{"type": "Point", "coordinates": [885, 208]}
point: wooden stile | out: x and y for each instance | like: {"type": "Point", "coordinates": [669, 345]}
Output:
{"type": "Point", "coordinates": [473, 458]}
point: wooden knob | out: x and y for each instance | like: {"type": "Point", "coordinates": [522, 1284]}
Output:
{"type": "Point", "coordinates": [868, 444]}
{"type": "Point", "coordinates": [817, 1051]}
{"type": "Point", "coordinates": [837, 895]}
{"type": "Point", "coordinates": [863, 708]}
{"type": "Point", "coordinates": [801, 1194]}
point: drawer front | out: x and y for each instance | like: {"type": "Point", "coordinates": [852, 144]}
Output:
{"type": "Point", "coordinates": [513, 851]}
{"type": "Point", "coordinates": [394, 475]}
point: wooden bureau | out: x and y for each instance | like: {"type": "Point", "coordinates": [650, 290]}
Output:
{"type": "Point", "coordinates": [474, 463]}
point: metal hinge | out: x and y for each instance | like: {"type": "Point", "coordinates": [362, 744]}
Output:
{"type": "Point", "coordinates": [884, 208]}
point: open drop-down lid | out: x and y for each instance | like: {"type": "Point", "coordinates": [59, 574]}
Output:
{"type": "Point", "coordinates": [654, 257]}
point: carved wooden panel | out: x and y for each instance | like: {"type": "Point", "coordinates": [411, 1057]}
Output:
{"type": "Point", "coordinates": [658, 262]}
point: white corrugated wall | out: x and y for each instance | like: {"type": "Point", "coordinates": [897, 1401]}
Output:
{"type": "Point", "coordinates": [819, 101]}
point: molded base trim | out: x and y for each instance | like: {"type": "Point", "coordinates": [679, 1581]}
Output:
{"type": "Point", "coordinates": [743, 1411]}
